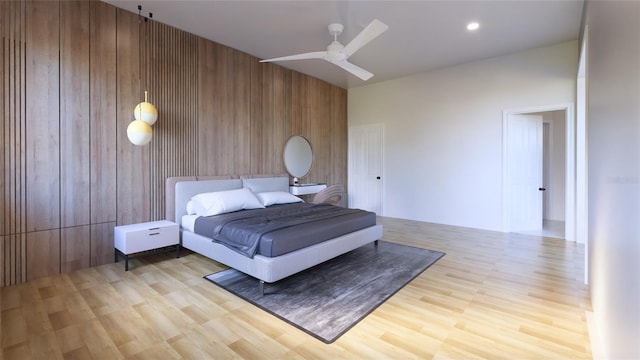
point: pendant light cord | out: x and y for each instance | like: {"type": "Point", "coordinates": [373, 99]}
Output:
{"type": "Point", "coordinates": [139, 53]}
{"type": "Point", "coordinates": [146, 55]}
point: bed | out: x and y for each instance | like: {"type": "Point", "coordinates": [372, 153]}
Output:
{"type": "Point", "coordinates": [266, 268]}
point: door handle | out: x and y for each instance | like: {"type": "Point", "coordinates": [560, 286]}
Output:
{"type": "Point", "coordinates": [542, 189]}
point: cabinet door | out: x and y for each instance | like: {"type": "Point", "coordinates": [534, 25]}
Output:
{"type": "Point", "coordinates": [42, 116]}
{"type": "Point", "coordinates": [74, 113]}
{"type": "Point", "coordinates": [43, 254]}
{"type": "Point", "coordinates": [75, 248]}
{"type": "Point", "coordinates": [102, 243]}
{"type": "Point", "coordinates": [103, 114]}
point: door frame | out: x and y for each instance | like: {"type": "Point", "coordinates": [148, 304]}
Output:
{"type": "Point", "coordinates": [570, 175]}
{"type": "Point", "coordinates": [547, 169]}
{"type": "Point", "coordinates": [380, 128]}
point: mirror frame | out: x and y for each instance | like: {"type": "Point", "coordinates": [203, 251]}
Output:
{"type": "Point", "coordinates": [298, 156]}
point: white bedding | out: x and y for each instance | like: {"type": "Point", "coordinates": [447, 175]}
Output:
{"type": "Point", "coordinates": [189, 222]}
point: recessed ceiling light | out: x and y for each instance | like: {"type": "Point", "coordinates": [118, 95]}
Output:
{"type": "Point", "coordinates": [472, 26]}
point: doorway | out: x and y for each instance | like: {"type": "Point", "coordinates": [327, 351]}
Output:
{"type": "Point", "coordinates": [554, 174]}
{"type": "Point", "coordinates": [556, 186]}
{"type": "Point", "coordinates": [365, 168]}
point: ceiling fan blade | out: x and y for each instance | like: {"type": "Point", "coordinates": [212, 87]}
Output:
{"type": "Point", "coordinates": [373, 30]}
{"type": "Point", "coordinates": [355, 70]}
{"type": "Point", "coordinates": [311, 55]}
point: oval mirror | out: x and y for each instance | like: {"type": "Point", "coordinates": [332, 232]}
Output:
{"type": "Point", "coordinates": [298, 156]}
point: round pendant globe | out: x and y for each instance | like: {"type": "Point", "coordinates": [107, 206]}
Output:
{"type": "Point", "coordinates": [139, 132]}
{"type": "Point", "coordinates": [146, 112]}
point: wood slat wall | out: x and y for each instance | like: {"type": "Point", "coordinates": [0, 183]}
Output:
{"type": "Point", "coordinates": [43, 115]}
{"type": "Point", "coordinates": [73, 71]}
{"type": "Point", "coordinates": [171, 74]}
{"type": "Point", "coordinates": [12, 153]}
{"type": "Point", "coordinates": [102, 130]}
{"type": "Point", "coordinates": [75, 136]}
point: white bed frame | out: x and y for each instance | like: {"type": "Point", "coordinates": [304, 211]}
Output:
{"type": "Point", "coordinates": [266, 269]}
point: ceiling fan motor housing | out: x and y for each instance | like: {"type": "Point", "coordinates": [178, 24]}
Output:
{"type": "Point", "coordinates": [334, 52]}
{"type": "Point", "coordinates": [335, 29]}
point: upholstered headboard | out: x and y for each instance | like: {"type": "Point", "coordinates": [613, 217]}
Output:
{"type": "Point", "coordinates": [179, 190]}
{"type": "Point", "coordinates": [258, 184]}
{"type": "Point", "coordinates": [170, 193]}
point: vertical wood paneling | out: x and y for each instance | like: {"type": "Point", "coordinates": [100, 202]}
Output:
{"type": "Point", "coordinates": [70, 84]}
{"type": "Point", "coordinates": [12, 150]}
{"type": "Point", "coordinates": [270, 116]}
{"type": "Point", "coordinates": [319, 129]}
{"type": "Point", "coordinates": [261, 115]}
{"type": "Point", "coordinates": [75, 248]}
{"type": "Point", "coordinates": [15, 259]}
{"type": "Point", "coordinates": [257, 93]}
{"type": "Point", "coordinates": [43, 253]}
{"type": "Point", "coordinates": [339, 139]}
{"type": "Point", "coordinates": [102, 106]}
{"type": "Point", "coordinates": [3, 264]}
{"type": "Point", "coordinates": [133, 162]}
{"type": "Point", "coordinates": [300, 125]}
{"type": "Point", "coordinates": [226, 135]}
{"type": "Point", "coordinates": [13, 252]}
{"type": "Point", "coordinates": [148, 43]}
{"type": "Point", "coordinates": [282, 89]}
{"type": "Point", "coordinates": [208, 133]}
{"type": "Point", "coordinates": [43, 138]}
{"type": "Point", "coordinates": [223, 113]}
{"type": "Point", "coordinates": [43, 115]}
{"type": "Point", "coordinates": [241, 97]}
{"type": "Point", "coordinates": [74, 113]}
{"type": "Point", "coordinates": [171, 73]}
{"type": "Point", "coordinates": [102, 243]}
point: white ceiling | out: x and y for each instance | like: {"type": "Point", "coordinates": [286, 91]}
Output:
{"type": "Point", "coordinates": [422, 36]}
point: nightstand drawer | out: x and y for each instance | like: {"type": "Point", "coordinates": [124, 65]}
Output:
{"type": "Point", "coordinates": [135, 238]}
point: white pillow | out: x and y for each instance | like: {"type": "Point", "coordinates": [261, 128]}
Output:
{"type": "Point", "coordinates": [190, 208]}
{"type": "Point", "coordinates": [277, 197]}
{"type": "Point", "coordinates": [220, 202]}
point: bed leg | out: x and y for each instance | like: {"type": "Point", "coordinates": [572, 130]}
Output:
{"type": "Point", "coordinates": [261, 288]}
{"type": "Point", "coordinates": [375, 243]}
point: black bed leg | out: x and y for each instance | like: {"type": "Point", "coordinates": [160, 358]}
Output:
{"type": "Point", "coordinates": [375, 243]}
{"type": "Point", "coordinates": [261, 288]}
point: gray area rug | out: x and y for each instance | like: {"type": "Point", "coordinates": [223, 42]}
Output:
{"type": "Point", "coordinates": [327, 300]}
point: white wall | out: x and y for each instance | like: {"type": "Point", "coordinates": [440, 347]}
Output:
{"type": "Point", "coordinates": [613, 150]}
{"type": "Point", "coordinates": [443, 131]}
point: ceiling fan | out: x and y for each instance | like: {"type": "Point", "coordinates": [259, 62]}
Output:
{"type": "Point", "coordinates": [338, 54]}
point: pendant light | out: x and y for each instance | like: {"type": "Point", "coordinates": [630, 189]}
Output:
{"type": "Point", "coordinates": [139, 130]}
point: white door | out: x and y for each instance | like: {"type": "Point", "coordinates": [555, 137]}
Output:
{"type": "Point", "coordinates": [525, 135]}
{"type": "Point", "coordinates": [365, 168]}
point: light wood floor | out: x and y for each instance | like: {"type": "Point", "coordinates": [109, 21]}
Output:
{"type": "Point", "coordinates": [494, 295]}
{"type": "Point", "coordinates": [550, 228]}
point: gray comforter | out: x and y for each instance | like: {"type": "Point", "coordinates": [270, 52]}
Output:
{"type": "Point", "coordinates": [243, 230]}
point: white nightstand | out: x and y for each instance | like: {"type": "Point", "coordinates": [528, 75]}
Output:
{"type": "Point", "coordinates": [136, 238]}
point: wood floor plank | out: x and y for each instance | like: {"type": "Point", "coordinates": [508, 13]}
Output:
{"type": "Point", "coordinates": [493, 295]}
